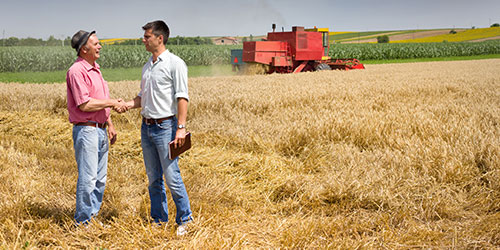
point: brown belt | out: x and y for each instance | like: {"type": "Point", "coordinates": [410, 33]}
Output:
{"type": "Point", "coordinates": [92, 124]}
{"type": "Point", "coordinates": [149, 121]}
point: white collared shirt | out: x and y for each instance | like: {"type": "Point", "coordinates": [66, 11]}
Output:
{"type": "Point", "coordinates": [162, 83]}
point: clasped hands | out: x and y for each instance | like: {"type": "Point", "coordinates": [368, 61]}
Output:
{"type": "Point", "coordinates": [121, 106]}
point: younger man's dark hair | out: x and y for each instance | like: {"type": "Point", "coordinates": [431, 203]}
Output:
{"type": "Point", "coordinates": [158, 28]}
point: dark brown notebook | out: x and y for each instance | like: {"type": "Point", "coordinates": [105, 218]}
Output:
{"type": "Point", "coordinates": [174, 152]}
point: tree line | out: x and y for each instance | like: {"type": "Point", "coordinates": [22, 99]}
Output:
{"type": "Point", "coordinates": [52, 41]}
{"type": "Point", "coordinates": [178, 40]}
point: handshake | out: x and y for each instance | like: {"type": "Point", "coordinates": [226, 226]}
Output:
{"type": "Point", "coordinates": [121, 106]}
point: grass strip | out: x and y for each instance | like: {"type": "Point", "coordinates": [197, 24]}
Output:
{"type": "Point", "coordinates": [110, 75]}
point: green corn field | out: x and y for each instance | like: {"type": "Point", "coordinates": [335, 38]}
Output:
{"type": "Point", "coordinates": [208, 55]}
{"type": "Point", "coordinates": [389, 51]}
{"type": "Point", "coordinates": [18, 59]}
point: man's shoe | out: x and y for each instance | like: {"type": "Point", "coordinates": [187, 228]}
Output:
{"type": "Point", "coordinates": [182, 229]}
{"type": "Point", "coordinates": [102, 225]}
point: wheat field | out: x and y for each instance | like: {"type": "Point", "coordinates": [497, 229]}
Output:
{"type": "Point", "coordinates": [393, 156]}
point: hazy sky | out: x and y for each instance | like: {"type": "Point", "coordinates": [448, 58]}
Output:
{"type": "Point", "coordinates": [124, 18]}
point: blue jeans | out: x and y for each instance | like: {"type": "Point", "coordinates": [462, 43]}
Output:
{"type": "Point", "coordinates": [154, 142]}
{"type": "Point", "coordinates": [91, 153]}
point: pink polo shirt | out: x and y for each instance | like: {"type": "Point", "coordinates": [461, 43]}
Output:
{"type": "Point", "coordinates": [84, 81]}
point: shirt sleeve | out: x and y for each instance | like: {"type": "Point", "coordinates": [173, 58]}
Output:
{"type": "Point", "coordinates": [140, 91]}
{"type": "Point", "coordinates": [79, 88]}
{"type": "Point", "coordinates": [180, 79]}
{"type": "Point", "coordinates": [142, 80]}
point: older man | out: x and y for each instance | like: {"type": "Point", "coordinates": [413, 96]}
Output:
{"type": "Point", "coordinates": [89, 112]}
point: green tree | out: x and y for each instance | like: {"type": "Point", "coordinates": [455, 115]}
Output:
{"type": "Point", "coordinates": [52, 41]}
{"type": "Point", "coordinates": [178, 40]}
{"type": "Point", "coordinates": [31, 42]}
{"type": "Point", "coordinates": [383, 39]}
{"type": "Point", "coordinates": [12, 41]}
{"type": "Point", "coordinates": [495, 25]}
{"type": "Point", "coordinates": [67, 41]}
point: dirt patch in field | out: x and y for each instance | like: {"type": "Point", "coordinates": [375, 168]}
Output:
{"type": "Point", "coordinates": [361, 39]}
{"type": "Point", "coordinates": [486, 39]}
{"type": "Point", "coordinates": [407, 36]}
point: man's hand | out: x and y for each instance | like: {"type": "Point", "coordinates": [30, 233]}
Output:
{"type": "Point", "coordinates": [120, 106]}
{"type": "Point", "coordinates": [112, 134]}
{"type": "Point", "coordinates": [180, 137]}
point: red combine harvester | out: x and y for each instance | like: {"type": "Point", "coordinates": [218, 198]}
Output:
{"type": "Point", "coordinates": [285, 52]}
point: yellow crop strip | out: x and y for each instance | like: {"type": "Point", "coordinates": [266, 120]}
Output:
{"type": "Point", "coordinates": [468, 35]}
{"type": "Point", "coordinates": [339, 32]}
{"type": "Point", "coordinates": [111, 41]}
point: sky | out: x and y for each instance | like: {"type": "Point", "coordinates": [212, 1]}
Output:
{"type": "Point", "coordinates": [124, 18]}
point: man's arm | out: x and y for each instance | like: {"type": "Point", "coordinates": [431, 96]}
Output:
{"type": "Point", "coordinates": [133, 104]}
{"type": "Point", "coordinates": [98, 104]}
{"type": "Point", "coordinates": [111, 131]}
{"type": "Point", "coordinates": [182, 108]}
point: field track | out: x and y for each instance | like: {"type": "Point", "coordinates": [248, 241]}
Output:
{"type": "Point", "coordinates": [393, 156]}
{"type": "Point", "coordinates": [406, 36]}
{"type": "Point", "coordinates": [487, 39]}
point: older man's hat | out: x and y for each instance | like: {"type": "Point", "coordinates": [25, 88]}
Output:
{"type": "Point", "coordinates": [79, 39]}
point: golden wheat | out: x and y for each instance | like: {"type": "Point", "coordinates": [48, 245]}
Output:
{"type": "Point", "coordinates": [394, 156]}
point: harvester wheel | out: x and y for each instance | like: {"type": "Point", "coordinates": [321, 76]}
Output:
{"type": "Point", "coordinates": [322, 66]}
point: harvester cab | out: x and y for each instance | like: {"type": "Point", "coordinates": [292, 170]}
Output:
{"type": "Point", "coordinates": [325, 34]}
{"type": "Point", "coordinates": [293, 51]}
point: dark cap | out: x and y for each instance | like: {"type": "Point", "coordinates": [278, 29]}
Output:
{"type": "Point", "coordinates": [79, 39]}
